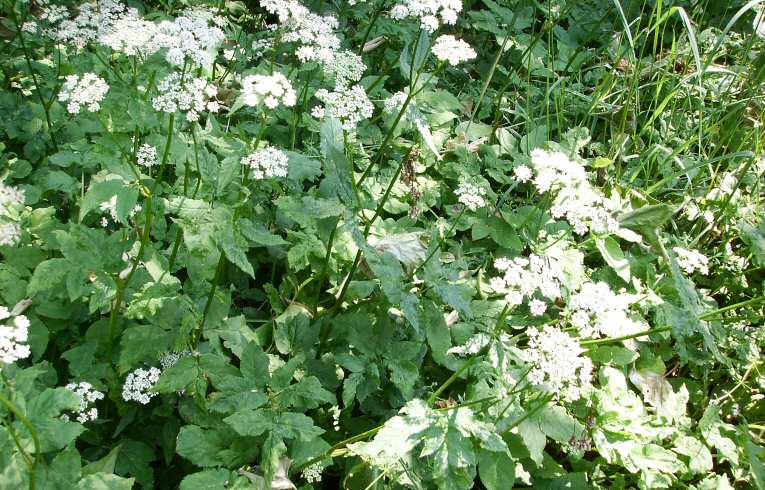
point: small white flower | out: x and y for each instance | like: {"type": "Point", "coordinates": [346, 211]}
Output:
{"type": "Point", "coordinates": [556, 363]}
{"type": "Point", "coordinates": [267, 162]}
{"type": "Point", "coordinates": [88, 396]}
{"type": "Point", "coordinates": [191, 96]}
{"type": "Point", "coordinates": [10, 197]}
{"type": "Point", "coordinates": [138, 383]}
{"type": "Point", "coordinates": [523, 173]}
{"type": "Point", "coordinates": [13, 338]}
{"type": "Point", "coordinates": [472, 196]}
{"type": "Point", "coordinates": [537, 307]}
{"type": "Point", "coordinates": [312, 474]}
{"type": "Point", "coordinates": [349, 105]}
{"type": "Point", "coordinates": [146, 156]}
{"type": "Point", "coordinates": [430, 12]}
{"type": "Point", "coordinates": [692, 261]}
{"type": "Point", "coordinates": [270, 90]}
{"type": "Point", "coordinates": [87, 91]}
{"type": "Point", "coordinates": [453, 50]}
{"type": "Point", "coordinates": [10, 234]}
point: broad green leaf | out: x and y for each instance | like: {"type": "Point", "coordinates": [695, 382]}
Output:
{"type": "Point", "coordinates": [613, 255]}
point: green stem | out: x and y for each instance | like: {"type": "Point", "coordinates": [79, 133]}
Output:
{"type": "Point", "coordinates": [32, 463]}
{"type": "Point", "coordinates": [440, 243]}
{"type": "Point", "coordinates": [122, 285]}
{"type": "Point", "coordinates": [46, 107]}
{"type": "Point", "coordinates": [545, 400]}
{"type": "Point", "coordinates": [378, 11]}
{"type": "Point", "coordinates": [719, 311]}
{"type": "Point", "coordinates": [609, 340]}
{"type": "Point", "coordinates": [378, 211]}
{"type": "Point", "coordinates": [452, 379]}
{"type": "Point", "coordinates": [324, 267]}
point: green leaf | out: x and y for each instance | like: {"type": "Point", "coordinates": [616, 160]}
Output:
{"type": "Point", "coordinates": [338, 174]}
{"type": "Point", "coordinates": [259, 234]}
{"type": "Point", "coordinates": [614, 257]}
{"type": "Point", "coordinates": [49, 274]}
{"type": "Point", "coordinates": [652, 217]}
{"type": "Point", "coordinates": [100, 192]}
{"type": "Point", "coordinates": [104, 481]}
{"type": "Point", "coordinates": [105, 464]}
{"type": "Point", "coordinates": [179, 376]}
{"type": "Point", "coordinates": [302, 168]}
{"type": "Point", "coordinates": [699, 457]}
{"type": "Point", "coordinates": [497, 470]}
{"type": "Point", "coordinates": [134, 459]}
{"type": "Point", "coordinates": [206, 480]}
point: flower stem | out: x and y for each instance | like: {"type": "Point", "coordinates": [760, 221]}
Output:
{"type": "Point", "coordinates": [122, 285]}
{"type": "Point", "coordinates": [31, 462]}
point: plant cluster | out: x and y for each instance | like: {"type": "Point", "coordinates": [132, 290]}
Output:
{"type": "Point", "coordinates": [381, 244]}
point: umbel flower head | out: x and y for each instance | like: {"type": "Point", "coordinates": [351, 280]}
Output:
{"type": "Point", "coordinates": [270, 90]}
{"type": "Point", "coordinates": [88, 397]}
{"type": "Point", "coordinates": [138, 383]}
{"type": "Point", "coordinates": [431, 13]}
{"type": "Point", "coordinates": [471, 195]}
{"type": "Point", "coordinates": [190, 96]}
{"type": "Point", "coordinates": [10, 234]}
{"type": "Point", "coordinates": [87, 91]}
{"type": "Point", "coordinates": [267, 163]}
{"type": "Point", "coordinates": [13, 337]}
{"type": "Point", "coordinates": [350, 105]}
{"type": "Point", "coordinates": [452, 50]}
{"type": "Point", "coordinates": [556, 363]}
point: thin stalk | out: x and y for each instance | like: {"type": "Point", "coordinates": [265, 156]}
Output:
{"type": "Point", "coordinates": [324, 267]}
{"type": "Point", "coordinates": [545, 400]}
{"type": "Point", "coordinates": [609, 340]}
{"type": "Point", "coordinates": [432, 398]}
{"type": "Point", "coordinates": [27, 58]}
{"type": "Point", "coordinates": [31, 462]}
{"type": "Point", "coordinates": [378, 11]}
{"type": "Point", "coordinates": [122, 285]}
{"type": "Point", "coordinates": [440, 243]}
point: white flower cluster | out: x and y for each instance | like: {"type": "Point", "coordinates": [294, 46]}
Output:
{"type": "Point", "coordinates": [582, 205]}
{"type": "Point", "coordinates": [267, 163]}
{"type": "Point", "coordinates": [597, 311]}
{"type": "Point", "coordinates": [317, 39]}
{"type": "Point", "coordinates": [10, 197]}
{"type": "Point", "coordinates": [271, 90]}
{"type": "Point", "coordinates": [130, 35]}
{"type": "Point", "coordinates": [346, 66]}
{"type": "Point", "coordinates": [349, 105]}
{"type": "Point", "coordinates": [10, 234]}
{"type": "Point", "coordinates": [471, 195]}
{"type": "Point", "coordinates": [194, 36]}
{"type": "Point", "coordinates": [88, 397]}
{"type": "Point", "coordinates": [312, 474]}
{"type": "Point", "coordinates": [315, 33]}
{"type": "Point", "coordinates": [92, 19]}
{"type": "Point", "coordinates": [454, 51]}
{"type": "Point", "coordinates": [335, 411]}
{"type": "Point", "coordinates": [556, 363]}
{"type": "Point", "coordinates": [110, 208]}
{"type": "Point", "coordinates": [431, 13]}
{"type": "Point", "coordinates": [523, 173]}
{"type": "Point", "coordinates": [13, 337]}
{"type": "Point", "coordinates": [170, 359]}
{"type": "Point", "coordinates": [138, 383]}
{"type": "Point", "coordinates": [522, 277]}
{"type": "Point", "coordinates": [190, 96]}
{"type": "Point", "coordinates": [146, 156]}
{"type": "Point", "coordinates": [692, 261]}
{"type": "Point", "coordinates": [87, 91]}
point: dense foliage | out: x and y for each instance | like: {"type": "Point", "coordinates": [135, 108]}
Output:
{"type": "Point", "coordinates": [375, 244]}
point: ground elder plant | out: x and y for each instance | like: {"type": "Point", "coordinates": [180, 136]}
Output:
{"type": "Point", "coordinates": [381, 244]}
